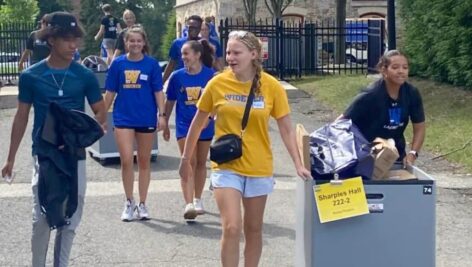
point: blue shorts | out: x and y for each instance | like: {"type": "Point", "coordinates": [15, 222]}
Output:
{"type": "Point", "coordinates": [248, 186]}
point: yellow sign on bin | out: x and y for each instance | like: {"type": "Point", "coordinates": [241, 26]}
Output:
{"type": "Point", "coordinates": [341, 201]}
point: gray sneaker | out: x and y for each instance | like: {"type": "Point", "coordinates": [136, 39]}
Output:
{"type": "Point", "coordinates": [142, 212]}
{"type": "Point", "coordinates": [128, 211]}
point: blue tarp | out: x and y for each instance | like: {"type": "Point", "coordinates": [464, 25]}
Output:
{"type": "Point", "coordinates": [356, 31]}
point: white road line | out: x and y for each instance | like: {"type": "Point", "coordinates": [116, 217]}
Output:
{"type": "Point", "coordinates": [95, 189]}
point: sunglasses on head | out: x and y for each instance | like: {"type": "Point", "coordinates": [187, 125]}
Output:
{"type": "Point", "coordinates": [240, 34]}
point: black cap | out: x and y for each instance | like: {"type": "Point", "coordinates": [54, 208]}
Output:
{"type": "Point", "coordinates": [60, 24]}
{"type": "Point", "coordinates": [62, 19]}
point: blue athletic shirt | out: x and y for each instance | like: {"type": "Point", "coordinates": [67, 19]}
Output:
{"type": "Point", "coordinates": [186, 89]}
{"type": "Point", "coordinates": [175, 52]}
{"type": "Point", "coordinates": [37, 87]}
{"type": "Point", "coordinates": [134, 83]}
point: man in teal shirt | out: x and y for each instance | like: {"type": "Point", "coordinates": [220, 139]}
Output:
{"type": "Point", "coordinates": [56, 79]}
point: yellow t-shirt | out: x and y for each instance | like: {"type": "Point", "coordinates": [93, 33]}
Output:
{"type": "Point", "coordinates": [226, 97]}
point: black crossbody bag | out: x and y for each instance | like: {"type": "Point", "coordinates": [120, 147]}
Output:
{"type": "Point", "coordinates": [230, 146]}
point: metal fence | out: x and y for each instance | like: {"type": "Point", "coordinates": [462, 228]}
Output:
{"type": "Point", "coordinates": [296, 49]}
{"type": "Point", "coordinates": [13, 37]}
{"type": "Point", "coordinates": [292, 49]}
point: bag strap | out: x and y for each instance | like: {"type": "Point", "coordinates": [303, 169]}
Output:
{"type": "Point", "coordinates": [249, 101]}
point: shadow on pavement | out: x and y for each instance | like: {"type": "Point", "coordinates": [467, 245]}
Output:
{"type": "Point", "coordinates": [204, 229]}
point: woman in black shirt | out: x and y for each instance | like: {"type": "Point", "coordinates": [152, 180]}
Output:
{"type": "Point", "coordinates": [385, 107]}
{"type": "Point", "coordinates": [130, 20]}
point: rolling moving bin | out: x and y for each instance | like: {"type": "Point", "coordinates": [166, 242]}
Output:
{"type": "Point", "coordinates": [398, 231]}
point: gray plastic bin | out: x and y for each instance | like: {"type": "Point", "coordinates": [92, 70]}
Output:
{"type": "Point", "coordinates": [399, 231]}
{"type": "Point", "coordinates": [106, 148]}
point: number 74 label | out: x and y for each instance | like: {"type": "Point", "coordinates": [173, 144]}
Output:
{"type": "Point", "coordinates": [341, 201]}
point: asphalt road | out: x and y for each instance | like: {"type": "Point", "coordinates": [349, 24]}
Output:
{"type": "Point", "coordinates": [167, 240]}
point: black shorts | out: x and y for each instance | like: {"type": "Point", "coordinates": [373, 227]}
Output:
{"type": "Point", "coordinates": [138, 129]}
{"type": "Point", "coordinates": [201, 139]}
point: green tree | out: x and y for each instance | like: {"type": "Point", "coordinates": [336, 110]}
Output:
{"type": "Point", "coordinates": [169, 35]}
{"type": "Point", "coordinates": [18, 11]}
{"type": "Point", "coordinates": [152, 14]}
{"type": "Point", "coordinates": [49, 6]}
{"type": "Point", "coordinates": [439, 42]}
{"type": "Point", "coordinates": [90, 15]}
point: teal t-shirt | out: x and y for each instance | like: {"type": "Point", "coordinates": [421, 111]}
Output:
{"type": "Point", "coordinates": [40, 85]}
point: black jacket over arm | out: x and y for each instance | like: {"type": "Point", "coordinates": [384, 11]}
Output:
{"type": "Point", "coordinates": [64, 136]}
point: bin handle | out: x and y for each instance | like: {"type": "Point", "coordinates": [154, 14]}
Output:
{"type": "Point", "coordinates": [374, 196]}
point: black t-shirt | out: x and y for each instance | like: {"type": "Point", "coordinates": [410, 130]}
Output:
{"type": "Point", "coordinates": [120, 41]}
{"type": "Point", "coordinates": [110, 23]}
{"type": "Point", "coordinates": [40, 48]}
{"type": "Point", "coordinates": [378, 115]}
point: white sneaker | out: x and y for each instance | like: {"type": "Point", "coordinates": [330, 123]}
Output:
{"type": "Point", "coordinates": [142, 212]}
{"type": "Point", "coordinates": [198, 204]}
{"type": "Point", "coordinates": [128, 211]}
{"type": "Point", "coordinates": [190, 213]}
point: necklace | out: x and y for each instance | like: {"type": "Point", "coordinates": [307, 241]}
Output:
{"type": "Point", "coordinates": [60, 92]}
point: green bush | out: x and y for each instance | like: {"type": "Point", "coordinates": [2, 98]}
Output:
{"type": "Point", "coordinates": [439, 42]}
{"type": "Point", "coordinates": [169, 35]}
{"type": "Point", "coordinates": [152, 14]}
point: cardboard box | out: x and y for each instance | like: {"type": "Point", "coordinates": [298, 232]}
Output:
{"type": "Point", "coordinates": [385, 156]}
{"type": "Point", "coordinates": [303, 145]}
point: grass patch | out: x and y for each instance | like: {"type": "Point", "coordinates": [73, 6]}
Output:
{"type": "Point", "coordinates": [448, 110]}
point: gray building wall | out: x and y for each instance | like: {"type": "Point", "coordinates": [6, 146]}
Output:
{"type": "Point", "coordinates": [315, 10]}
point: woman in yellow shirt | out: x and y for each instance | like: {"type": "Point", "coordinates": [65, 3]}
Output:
{"type": "Point", "coordinates": [248, 179]}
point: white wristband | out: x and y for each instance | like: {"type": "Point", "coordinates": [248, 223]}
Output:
{"type": "Point", "coordinates": [414, 153]}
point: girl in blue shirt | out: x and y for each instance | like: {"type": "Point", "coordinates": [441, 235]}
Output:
{"type": "Point", "coordinates": [185, 87]}
{"type": "Point", "coordinates": [136, 81]}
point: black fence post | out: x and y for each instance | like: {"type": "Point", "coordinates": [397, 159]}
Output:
{"type": "Point", "coordinates": [375, 43]}
{"type": "Point", "coordinates": [280, 28]}
{"type": "Point", "coordinates": [300, 45]}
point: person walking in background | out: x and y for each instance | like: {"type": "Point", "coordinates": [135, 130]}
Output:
{"type": "Point", "coordinates": [211, 23]}
{"type": "Point", "coordinates": [248, 179]}
{"type": "Point", "coordinates": [130, 19]}
{"type": "Point", "coordinates": [36, 49]}
{"type": "Point", "coordinates": [185, 87]}
{"type": "Point", "coordinates": [109, 28]}
{"type": "Point", "coordinates": [194, 24]}
{"type": "Point", "coordinates": [76, 57]}
{"type": "Point", "coordinates": [218, 61]}
{"type": "Point", "coordinates": [61, 80]}
{"type": "Point", "coordinates": [136, 81]}
{"type": "Point", "coordinates": [185, 29]}
{"type": "Point", "coordinates": [394, 102]}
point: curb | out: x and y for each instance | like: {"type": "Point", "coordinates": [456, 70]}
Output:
{"type": "Point", "coordinates": [8, 94]}
{"type": "Point", "coordinates": [8, 97]}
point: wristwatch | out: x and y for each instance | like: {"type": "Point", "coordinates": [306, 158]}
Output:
{"type": "Point", "coordinates": [414, 153]}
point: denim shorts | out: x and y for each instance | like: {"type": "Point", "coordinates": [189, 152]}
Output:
{"type": "Point", "coordinates": [248, 186]}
